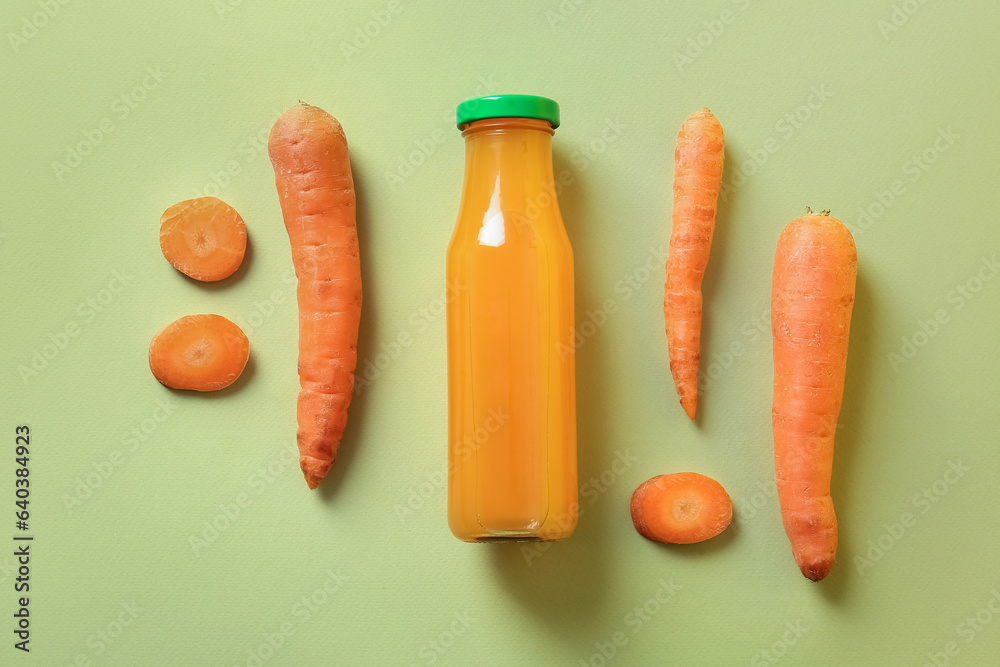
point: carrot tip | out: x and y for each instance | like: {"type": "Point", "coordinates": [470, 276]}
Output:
{"type": "Point", "coordinates": [314, 469]}
{"type": "Point", "coordinates": [690, 404]}
{"type": "Point", "coordinates": [817, 570]}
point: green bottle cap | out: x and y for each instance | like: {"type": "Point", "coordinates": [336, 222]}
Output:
{"type": "Point", "coordinates": [508, 106]}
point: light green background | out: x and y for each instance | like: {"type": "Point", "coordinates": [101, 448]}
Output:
{"type": "Point", "coordinates": [411, 593]}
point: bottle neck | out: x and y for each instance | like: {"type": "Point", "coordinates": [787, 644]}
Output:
{"type": "Point", "coordinates": [500, 125]}
{"type": "Point", "coordinates": [514, 152]}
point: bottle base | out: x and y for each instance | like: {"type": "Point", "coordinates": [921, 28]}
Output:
{"type": "Point", "coordinates": [511, 536]}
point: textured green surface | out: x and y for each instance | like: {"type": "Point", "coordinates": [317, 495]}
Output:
{"type": "Point", "coordinates": [410, 593]}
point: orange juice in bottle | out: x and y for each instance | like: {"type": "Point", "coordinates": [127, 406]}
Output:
{"type": "Point", "coordinates": [511, 392]}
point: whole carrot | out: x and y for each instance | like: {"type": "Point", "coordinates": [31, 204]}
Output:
{"type": "Point", "coordinates": [697, 177]}
{"type": "Point", "coordinates": [312, 171]}
{"type": "Point", "coordinates": [812, 297]}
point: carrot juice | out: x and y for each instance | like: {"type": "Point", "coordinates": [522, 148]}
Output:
{"type": "Point", "coordinates": [511, 392]}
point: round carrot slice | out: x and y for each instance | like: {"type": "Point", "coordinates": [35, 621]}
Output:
{"type": "Point", "coordinates": [204, 238]}
{"type": "Point", "coordinates": [199, 352]}
{"type": "Point", "coordinates": [681, 508]}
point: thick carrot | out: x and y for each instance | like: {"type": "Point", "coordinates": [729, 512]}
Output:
{"type": "Point", "coordinates": [812, 296]}
{"type": "Point", "coordinates": [697, 177]}
{"type": "Point", "coordinates": [199, 352]}
{"type": "Point", "coordinates": [204, 238]}
{"type": "Point", "coordinates": [312, 172]}
{"type": "Point", "coordinates": [681, 508]}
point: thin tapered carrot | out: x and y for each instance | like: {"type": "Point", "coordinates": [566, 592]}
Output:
{"type": "Point", "coordinates": [680, 508]}
{"type": "Point", "coordinates": [199, 352]}
{"type": "Point", "coordinates": [812, 296]}
{"type": "Point", "coordinates": [204, 238]}
{"type": "Point", "coordinates": [698, 162]}
{"type": "Point", "coordinates": [312, 171]}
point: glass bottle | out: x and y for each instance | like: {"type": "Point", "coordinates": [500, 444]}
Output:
{"type": "Point", "coordinates": [511, 379]}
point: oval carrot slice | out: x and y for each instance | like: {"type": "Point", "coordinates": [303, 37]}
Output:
{"type": "Point", "coordinates": [681, 508]}
{"type": "Point", "coordinates": [204, 238]}
{"type": "Point", "coordinates": [199, 352]}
